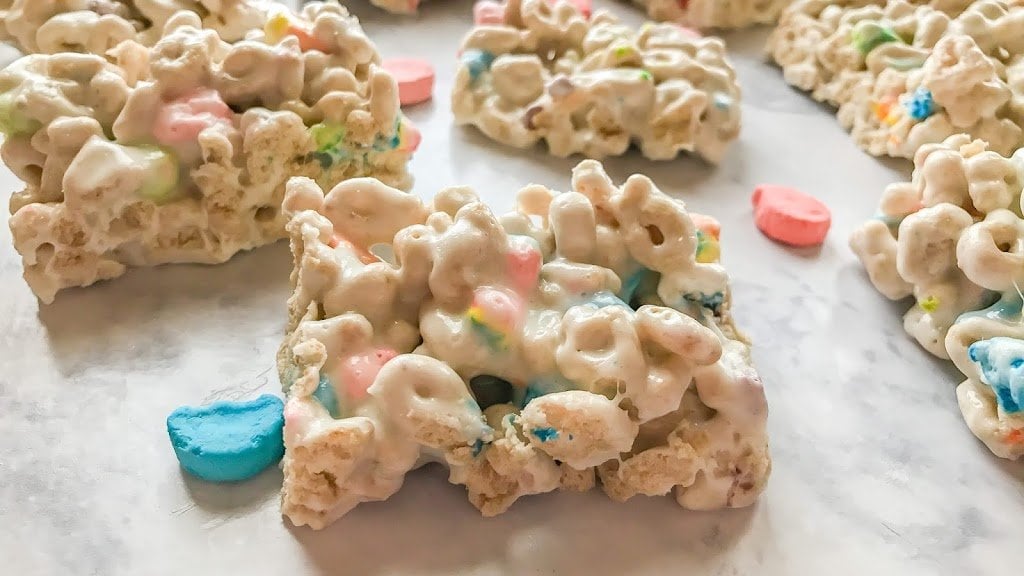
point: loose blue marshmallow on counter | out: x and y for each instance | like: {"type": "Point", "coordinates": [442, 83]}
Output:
{"type": "Point", "coordinates": [228, 441]}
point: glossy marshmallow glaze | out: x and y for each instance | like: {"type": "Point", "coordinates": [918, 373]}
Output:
{"type": "Point", "coordinates": [504, 348]}
{"type": "Point", "coordinates": [180, 152]}
{"type": "Point", "coordinates": [594, 86]}
{"type": "Point", "coordinates": [953, 239]}
{"type": "Point", "coordinates": [903, 74]}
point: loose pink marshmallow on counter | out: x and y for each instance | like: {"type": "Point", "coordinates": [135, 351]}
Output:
{"type": "Point", "coordinates": [415, 79]}
{"type": "Point", "coordinates": [790, 216]}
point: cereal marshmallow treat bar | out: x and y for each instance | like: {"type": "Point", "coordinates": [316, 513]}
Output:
{"type": "Point", "coordinates": [180, 152]}
{"type": "Point", "coordinates": [95, 26]}
{"type": "Point", "coordinates": [585, 336]}
{"type": "Point", "coordinates": [904, 74]}
{"type": "Point", "coordinates": [595, 86]}
{"type": "Point", "coordinates": [953, 239]}
{"type": "Point", "coordinates": [714, 13]}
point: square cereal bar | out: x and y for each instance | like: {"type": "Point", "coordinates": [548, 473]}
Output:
{"type": "Point", "coordinates": [179, 152]}
{"type": "Point", "coordinates": [586, 337]}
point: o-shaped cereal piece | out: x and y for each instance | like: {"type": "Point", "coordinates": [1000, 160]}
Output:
{"type": "Point", "coordinates": [679, 334]}
{"type": "Point", "coordinates": [994, 182]}
{"type": "Point", "coordinates": [656, 232]}
{"type": "Point", "coordinates": [991, 252]}
{"type": "Point", "coordinates": [876, 248]}
{"type": "Point", "coordinates": [980, 412]}
{"type": "Point", "coordinates": [578, 428]}
{"type": "Point", "coordinates": [927, 242]}
{"type": "Point", "coordinates": [426, 399]}
{"type": "Point", "coordinates": [574, 224]}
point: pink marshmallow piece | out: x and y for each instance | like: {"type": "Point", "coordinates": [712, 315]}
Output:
{"type": "Point", "coordinates": [523, 265]}
{"type": "Point", "coordinates": [488, 12]}
{"type": "Point", "coordinates": [181, 120]}
{"type": "Point", "coordinates": [296, 417]}
{"type": "Point", "coordinates": [690, 31]}
{"type": "Point", "coordinates": [415, 78]}
{"type": "Point", "coordinates": [307, 41]}
{"type": "Point", "coordinates": [501, 309]}
{"type": "Point", "coordinates": [790, 216]}
{"type": "Point", "coordinates": [364, 256]}
{"type": "Point", "coordinates": [358, 372]}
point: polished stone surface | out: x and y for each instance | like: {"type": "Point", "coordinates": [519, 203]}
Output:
{"type": "Point", "coordinates": [874, 471]}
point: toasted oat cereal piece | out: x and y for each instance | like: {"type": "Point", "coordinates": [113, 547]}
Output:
{"type": "Point", "coordinates": [594, 86]}
{"type": "Point", "coordinates": [582, 335]}
{"type": "Point", "coordinates": [180, 152]}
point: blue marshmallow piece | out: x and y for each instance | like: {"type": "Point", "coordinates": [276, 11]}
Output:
{"type": "Point", "coordinates": [542, 386]}
{"type": "Point", "coordinates": [632, 283]}
{"type": "Point", "coordinates": [545, 434]}
{"type": "Point", "coordinates": [327, 396]}
{"type": "Point", "coordinates": [921, 105]}
{"type": "Point", "coordinates": [604, 298]}
{"type": "Point", "coordinates": [228, 441]}
{"type": "Point", "coordinates": [1001, 361]}
{"type": "Point", "coordinates": [477, 62]}
{"type": "Point", "coordinates": [711, 301]}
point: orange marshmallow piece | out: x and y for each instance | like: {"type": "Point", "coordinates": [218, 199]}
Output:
{"type": "Point", "coordinates": [364, 256]}
{"type": "Point", "coordinates": [707, 225]}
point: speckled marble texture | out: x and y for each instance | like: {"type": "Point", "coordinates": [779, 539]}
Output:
{"type": "Point", "coordinates": [875, 473]}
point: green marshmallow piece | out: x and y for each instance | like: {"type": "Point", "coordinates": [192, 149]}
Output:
{"type": "Point", "coordinates": [868, 35]}
{"type": "Point", "coordinates": [11, 122]}
{"type": "Point", "coordinates": [327, 136]}
{"type": "Point", "coordinates": [160, 185]}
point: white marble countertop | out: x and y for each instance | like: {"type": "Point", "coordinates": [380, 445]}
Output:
{"type": "Point", "coordinates": [874, 471]}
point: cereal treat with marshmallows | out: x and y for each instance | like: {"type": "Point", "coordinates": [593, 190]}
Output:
{"type": "Point", "coordinates": [714, 13]}
{"type": "Point", "coordinates": [827, 47]}
{"type": "Point", "coordinates": [958, 90]}
{"type": "Point", "coordinates": [964, 84]}
{"type": "Point", "coordinates": [954, 240]}
{"type": "Point", "coordinates": [180, 152]}
{"type": "Point", "coordinates": [95, 26]}
{"type": "Point", "coordinates": [584, 337]}
{"type": "Point", "coordinates": [906, 74]}
{"type": "Point", "coordinates": [594, 86]}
